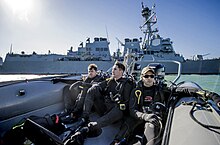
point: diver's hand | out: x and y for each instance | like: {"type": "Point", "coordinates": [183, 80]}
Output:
{"type": "Point", "coordinates": [92, 124]}
{"type": "Point", "coordinates": [146, 116]}
{"type": "Point", "coordinates": [154, 121]}
{"type": "Point", "coordinates": [152, 118]}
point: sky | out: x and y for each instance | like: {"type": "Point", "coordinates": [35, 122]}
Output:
{"type": "Point", "coordinates": [56, 25]}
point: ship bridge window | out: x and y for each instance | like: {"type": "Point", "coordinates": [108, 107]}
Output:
{"type": "Point", "coordinates": [135, 40]}
{"type": "Point", "coordinates": [97, 49]}
{"type": "Point", "coordinates": [127, 40]}
{"type": "Point", "coordinates": [88, 49]}
{"type": "Point", "coordinates": [150, 52]}
{"type": "Point", "coordinates": [105, 49]}
{"type": "Point", "coordinates": [96, 39]}
{"type": "Point", "coordinates": [167, 47]}
{"type": "Point", "coordinates": [103, 39]}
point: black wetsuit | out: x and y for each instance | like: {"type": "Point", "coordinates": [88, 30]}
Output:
{"type": "Point", "coordinates": [140, 104]}
{"type": "Point", "coordinates": [110, 99]}
{"type": "Point", "coordinates": [74, 102]}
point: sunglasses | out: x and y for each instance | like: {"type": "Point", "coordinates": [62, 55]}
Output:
{"type": "Point", "coordinates": [147, 76]}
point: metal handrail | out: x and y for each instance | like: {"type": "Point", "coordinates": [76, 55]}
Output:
{"type": "Point", "coordinates": [172, 61]}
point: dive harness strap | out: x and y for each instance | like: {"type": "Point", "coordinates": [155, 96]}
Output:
{"type": "Point", "coordinates": [118, 97]}
{"type": "Point", "coordinates": [122, 106]}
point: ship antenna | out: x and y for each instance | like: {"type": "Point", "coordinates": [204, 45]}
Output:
{"type": "Point", "coordinates": [150, 19]}
{"type": "Point", "coordinates": [142, 5]}
{"type": "Point", "coordinates": [119, 48]}
{"type": "Point", "coordinates": [107, 33]}
{"type": "Point", "coordinates": [10, 49]}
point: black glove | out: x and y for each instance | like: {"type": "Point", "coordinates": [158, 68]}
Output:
{"type": "Point", "coordinates": [75, 114]}
{"type": "Point", "coordinates": [152, 118]}
{"type": "Point", "coordinates": [146, 116]}
{"type": "Point", "coordinates": [94, 129]}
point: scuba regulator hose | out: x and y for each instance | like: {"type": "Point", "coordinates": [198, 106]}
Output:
{"type": "Point", "coordinates": [209, 127]}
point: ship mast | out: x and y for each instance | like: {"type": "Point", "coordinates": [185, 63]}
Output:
{"type": "Point", "coordinates": [150, 19]}
{"type": "Point", "coordinates": [10, 49]}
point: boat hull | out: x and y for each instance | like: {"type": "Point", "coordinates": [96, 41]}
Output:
{"type": "Point", "coordinates": [79, 67]}
{"type": "Point", "coordinates": [190, 67]}
{"type": "Point", "coordinates": [211, 66]}
{"type": "Point", "coordinates": [41, 96]}
{"type": "Point", "coordinates": [51, 67]}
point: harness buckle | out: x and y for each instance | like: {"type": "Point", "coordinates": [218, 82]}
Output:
{"type": "Point", "coordinates": [122, 107]}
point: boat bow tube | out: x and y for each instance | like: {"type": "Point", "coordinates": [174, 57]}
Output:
{"type": "Point", "coordinates": [192, 121]}
{"type": "Point", "coordinates": [21, 99]}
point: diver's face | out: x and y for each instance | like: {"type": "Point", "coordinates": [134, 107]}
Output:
{"type": "Point", "coordinates": [92, 73]}
{"type": "Point", "coordinates": [116, 72]}
{"type": "Point", "coordinates": [148, 79]}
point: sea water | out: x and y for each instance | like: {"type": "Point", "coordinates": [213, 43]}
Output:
{"type": "Point", "coordinates": [207, 82]}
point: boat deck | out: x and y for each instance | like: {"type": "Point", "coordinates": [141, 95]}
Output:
{"type": "Point", "coordinates": [107, 136]}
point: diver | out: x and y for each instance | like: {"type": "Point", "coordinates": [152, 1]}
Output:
{"type": "Point", "coordinates": [148, 108]}
{"type": "Point", "coordinates": [74, 102]}
{"type": "Point", "coordinates": [110, 98]}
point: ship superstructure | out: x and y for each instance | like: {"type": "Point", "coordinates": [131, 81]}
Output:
{"type": "Point", "coordinates": [97, 50]}
{"type": "Point", "coordinates": [153, 46]}
{"type": "Point", "coordinates": [74, 62]}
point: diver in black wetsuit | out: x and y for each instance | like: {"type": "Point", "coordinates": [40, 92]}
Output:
{"type": "Point", "coordinates": [142, 111]}
{"type": "Point", "coordinates": [110, 98]}
{"type": "Point", "coordinates": [79, 89]}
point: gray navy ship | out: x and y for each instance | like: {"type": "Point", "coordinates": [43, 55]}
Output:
{"type": "Point", "coordinates": [153, 48]}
